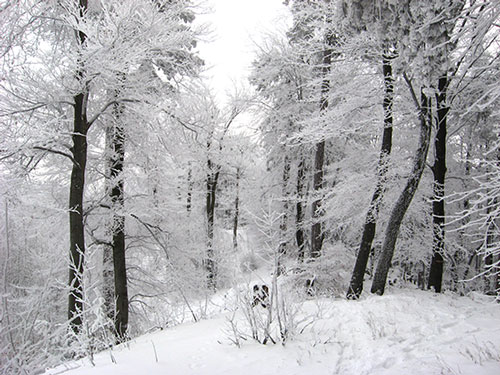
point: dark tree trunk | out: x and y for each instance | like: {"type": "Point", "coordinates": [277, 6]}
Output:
{"type": "Point", "coordinates": [236, 210]}
{"type": "Point", "coordinates": [356, 285]}
{"type": "Point", "coordinates": [405, 198]}
{"type": "Point", "coordinates": [107, 256]}
{"type": "Point", "coordinates": [189, 189]}
{"type": "Point", "coordinates": [212, 177]}
{"type": "Point", "coordinates": [466, 205]}
{"type": "Point", "coordinates": [490, 284]}
{"type": "Point", "coordinates": [439, 171]}
{"type": "Point", "coordinates": [284, 218]}
{"type": "Point", "coordinates": [76, 190]}
{"type": "Point", "coordinates": [299, 218]}
{"type": "Point", "coordinates": [283, 245]}
{"type": "Point", "coordinates": [495, 277]}
{"type": "Point", "coordinates": [77, 235]}
{"type": "Point", "coordinates": [319, 159]}
{"type": "Point", "coordinates": [317, 228]}
{"type": "Point", "coordinates": [117, 200]}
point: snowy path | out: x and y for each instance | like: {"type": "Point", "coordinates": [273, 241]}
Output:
{"type": "Point", "coordinates": [404, 332]}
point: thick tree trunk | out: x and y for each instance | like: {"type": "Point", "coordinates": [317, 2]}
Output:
{"type": "Point", "coordinates": [439, 171]}
{"type": "Point", "coordinates": [236, 210]}
{"type": "Point", "coordinates": [404, 200]}
{"type": "Point", "coordinates": [299, 218]}
{"type": "Point", "coordinates": [356, 285]}
{"type": "Point", "coordinates": [319, 159]}
{"type": "Point", "coordinates": [76, 190]}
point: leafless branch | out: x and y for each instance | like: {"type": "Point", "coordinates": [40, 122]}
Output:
{"type": "Point", "coordinates": [57, 152]}
{"type": "Point", "coordinates": [109, 104]}
{"type": "Point", "coordinates": [148, 227]}
{"type": "Point", "coordinates": [412, 91]}
{"type": "Point", "coordinates": [183, 123]}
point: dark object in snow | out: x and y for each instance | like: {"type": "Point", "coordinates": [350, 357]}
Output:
{"type": "Point", "coordinates": [311, 291]}
{"type": "Point", "coordinates": [260, 295]}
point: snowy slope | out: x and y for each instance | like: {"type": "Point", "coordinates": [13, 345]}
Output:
{"type": "Point", "coordinates": [403, 332]}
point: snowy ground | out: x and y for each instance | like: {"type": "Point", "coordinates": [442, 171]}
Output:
{"type": "Point", "coordinates": [403, 332]}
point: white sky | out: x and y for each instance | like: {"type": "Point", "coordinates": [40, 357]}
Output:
{"type": "Point", "coordinates": [237, 26]}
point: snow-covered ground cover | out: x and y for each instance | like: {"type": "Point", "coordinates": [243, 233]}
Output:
{"type": "Point", "coordinates": [403, 332]}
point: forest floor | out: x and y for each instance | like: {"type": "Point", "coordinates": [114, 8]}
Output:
{"type": "Point", "coordinates": [406, 331]}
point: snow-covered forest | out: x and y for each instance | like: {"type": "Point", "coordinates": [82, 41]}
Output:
{"type": "Point", "coordinates": [337, 213]}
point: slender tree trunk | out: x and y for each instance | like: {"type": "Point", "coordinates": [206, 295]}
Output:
{"type": "Point", "coordinates": [496, 256]}
{"type": "Point", "coordinates": [405, 198]}
{"type": "Point", "coordinates": [439, 171]}
{"type": "Point", "coordinates": [117, 200]}
{"type": "Point", "coordinates": [77, 236]}
{"type": "Point", "coordinates": [489, 245]}
{"type": "Point", "coordinates": [284, 218]}
{"type": "Point", "coordinates": [212, 177]}
{"type": "Point", "coordinates": [283, 246]}
{"type": "Point", "coordinates": [236, 210]}
{"type": "Point", "coordinates": [357, 278]}
{"type": "Point", "coordinates": [108, 282]}
{"type": "Point", "coordinates": [299, 218]}
{"type": "Point", "coordinates": [107, 251]}
{"type": "Point", "coordinates": [6, 322]}
{"type": "Point", "coordinates": [317, 227]}
{"type": "Point", "coordinates": [189, 196]}
{"type": "Point", "coordinates": [489, 283]}
{"type": "Point", "coordinates": [319, 159]}
{"type": "Point", "coordinates": [76, 190]}
{"type": "Point", "coordinates": [466, 205]}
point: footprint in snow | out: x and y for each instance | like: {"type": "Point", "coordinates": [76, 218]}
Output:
{"type": "Point", "coordinates": [389, 362]}
{"type": "Point", "coordinates": [449, 325]}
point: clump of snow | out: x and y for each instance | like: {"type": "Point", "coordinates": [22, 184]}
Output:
{"type": "Point", "coordinates": [403, 332]}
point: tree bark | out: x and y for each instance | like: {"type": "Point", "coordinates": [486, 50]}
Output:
{"type": "Point", "coordinates": [284, 218]}
{"type": "Point", "coordinates": [189, 195]}
{"type": "Point", "coordinates": [357, 278]}
{"type": "Point", "coordinates": [489, 284]}
{"type": "Point", "coordinates": [76, 190]}
{"type": "Point", "coordinates": [490, 273]}
{"type": "Point", "coordinates": [319, 159]}
{"type": "Point", "coordinates": [466, 205]}
{"type": "Point", "coordinates": [317, 227]}
{"type": "Point", "coordinates": [439, 172]}
{"type": "Point", "coordinates": [108, 282]}
{"type": "Point", "coordinates": [299, 218]}
{"type": "Point", "coordinates": [283, 231]}
{"type": "Point", "coordinates": [117, 200]}
{"type": "Point", "coordinates": [107, 251]}
{"type": "Point", "coordinates": [212, 177]}
{"type": "Point", "coordinates": [405, 198]}
{"type": "Point", "coordinates": [236, 210]}
{"type": "Point", "coordinates": [77, 236]}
